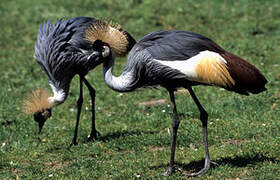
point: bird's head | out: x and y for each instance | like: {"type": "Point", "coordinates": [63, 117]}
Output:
{"type": "Point", "coordinates": [108, 39]}
{"type": "Point", "coordinates": [37, 103]}
{"type": "Point", "coordinates": [101, 52]}
{"type": "Point", "coordinates": [41, 117]}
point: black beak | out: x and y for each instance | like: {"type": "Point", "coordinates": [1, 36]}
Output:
{"type": "Point", "coordinates": [40, 124]}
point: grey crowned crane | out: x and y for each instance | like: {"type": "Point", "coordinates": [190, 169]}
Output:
{"type": "Point", "coordinates": [174, 59]}
{"type": "Point", "coordinates": [65, 49]}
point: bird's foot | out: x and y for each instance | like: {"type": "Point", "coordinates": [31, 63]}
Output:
{"type": "Point", "coordinates": [94, 135]}
{"type": "Point", "coordinates": [39, 139]}
{"type": "Point", "coordinates": [73, 143]}
{"type": "Point", "coordinates": [214, 163]}
{"type": "Point", "coordinates": [202, 171]}
{"type": "Point", "coordinates": [169, 171]}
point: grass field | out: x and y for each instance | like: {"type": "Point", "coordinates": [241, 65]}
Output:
{"type": "Point", "coordinates": [244, 131]}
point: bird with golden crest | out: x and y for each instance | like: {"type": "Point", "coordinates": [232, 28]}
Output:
{"type": "Point", "coordinates": [67, 48]}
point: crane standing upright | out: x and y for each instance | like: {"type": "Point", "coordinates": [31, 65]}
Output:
{"type": "Point", "coordinates": [174, 59]}
{"type": "Point", "coordinates": [65, 49]}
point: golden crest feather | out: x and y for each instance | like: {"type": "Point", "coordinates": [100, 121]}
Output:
{"type": "Point", "coordinates": [110, 33]}
{"type": "Point", "coordinates": [36, 101]}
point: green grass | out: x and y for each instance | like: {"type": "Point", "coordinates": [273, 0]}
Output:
{"type": "Point", "coordinates": [244, 131]}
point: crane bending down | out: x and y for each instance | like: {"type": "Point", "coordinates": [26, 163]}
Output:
{"type": "Point", "coordinates": [174, 59]}
{"type": "Point", "coordinates": [65, 49]}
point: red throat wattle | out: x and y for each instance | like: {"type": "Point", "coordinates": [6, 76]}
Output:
{"type": "Point", "coordinates": [105, 62]}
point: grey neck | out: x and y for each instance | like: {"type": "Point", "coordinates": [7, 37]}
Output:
{"type": "Point", "coordinates": [122, 83]}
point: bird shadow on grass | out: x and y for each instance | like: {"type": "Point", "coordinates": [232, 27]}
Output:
{"type": "Point", "coordinates": [7, 122]}
{"type": "Point", "coordinates": [238, 161]}
{"type": "Point", "coordinates": [121, 134]}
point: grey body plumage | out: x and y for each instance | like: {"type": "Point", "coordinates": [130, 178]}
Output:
{"type": "Point", "coordinates": [62, 51]}
{"type": "Point", "coordinates": [174, 59]}
{"type": "Point", "coordinates": [174, 46]}
{"type": "Point", "coordinates": [162, 45]}
{"type": "Point", "coordinates": [67, 48]}
{"type": "Point", "coordinates": [147, 72]}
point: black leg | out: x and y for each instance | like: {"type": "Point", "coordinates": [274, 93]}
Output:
{"type": "Point", "coordinates": [79, 106]}
{"type": "Point", "coordinates": [204, 119]}
{"type": "Point", "coordinates": [175, 125]}
{"type": "Point", "coordinates": [94, 134]}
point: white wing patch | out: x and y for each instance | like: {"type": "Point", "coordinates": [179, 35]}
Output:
{"type": "Point", "coordinates": [187, 66]}
{"type": "Point", "coordinates": [206, 67]}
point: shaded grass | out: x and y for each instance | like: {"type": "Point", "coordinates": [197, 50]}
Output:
{"type": "Point", "coordinates": [135, 142]}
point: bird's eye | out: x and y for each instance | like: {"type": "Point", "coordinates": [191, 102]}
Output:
{"type": "Point", "coordinates": [47, 113]}
{"type": "Point", "coordinates": [106, 51]}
